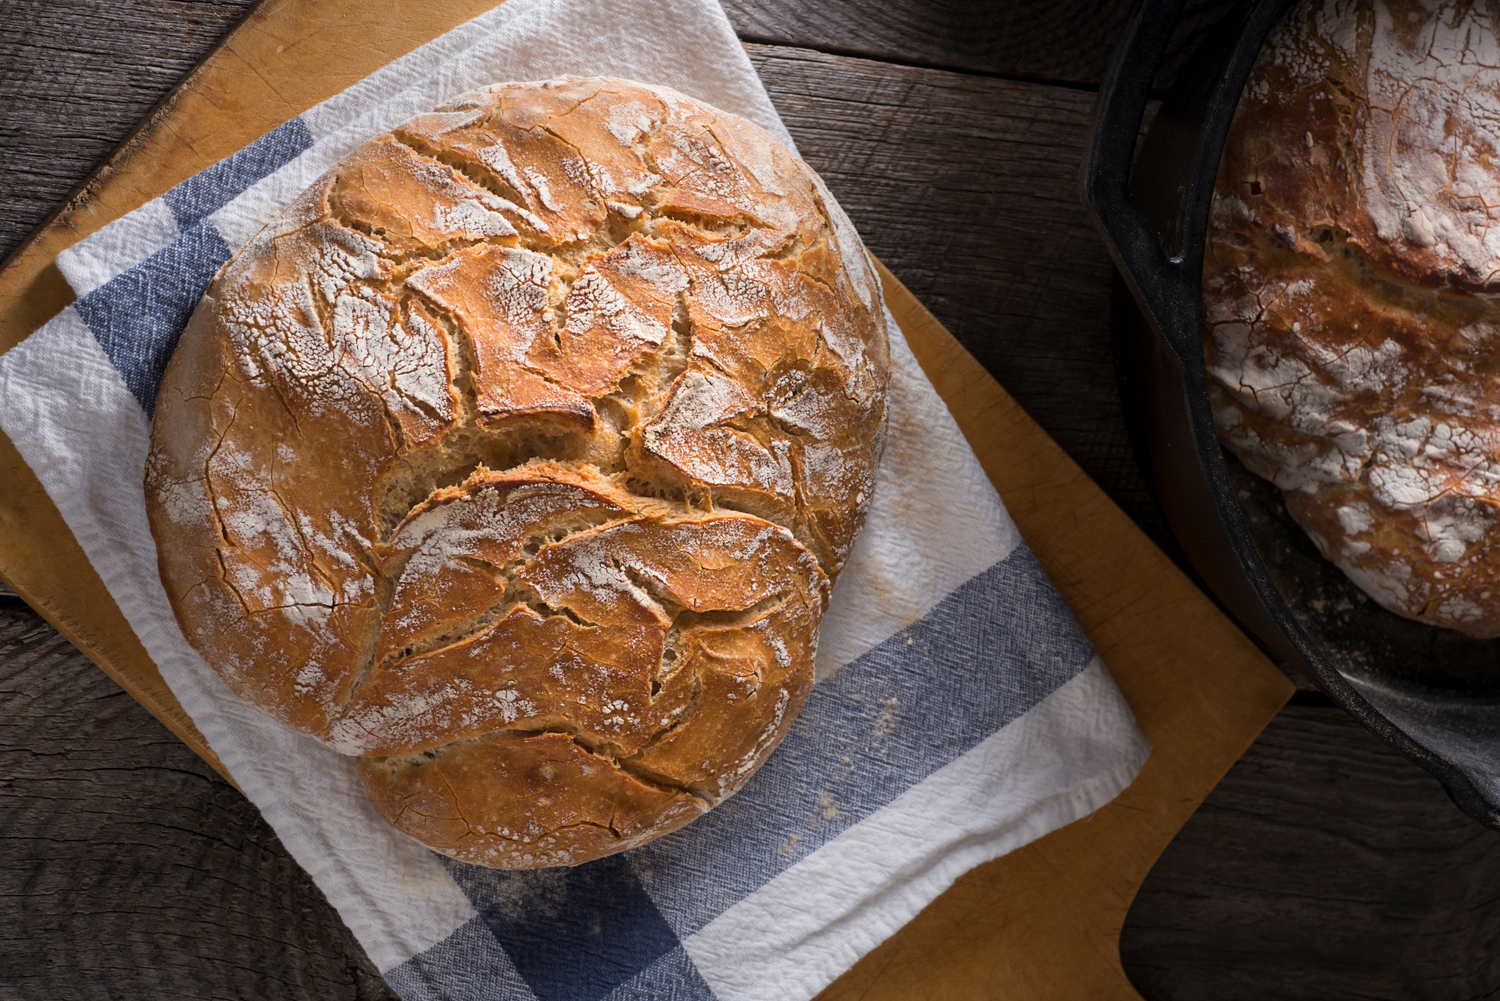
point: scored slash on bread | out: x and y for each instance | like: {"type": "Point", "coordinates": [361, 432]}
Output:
{"type": "Point", "coordinates": [517, 457]}
{"type": "Point", "coordinates": [669, 644]}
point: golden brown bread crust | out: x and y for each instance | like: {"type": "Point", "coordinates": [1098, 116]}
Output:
{"type": "Point", "coordinates": [1351, 333]}
{"type": "Point", "coordinates": [517, 458]}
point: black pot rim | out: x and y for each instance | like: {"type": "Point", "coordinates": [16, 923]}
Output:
{"type": "Point", "coordinates": [1156, 239]}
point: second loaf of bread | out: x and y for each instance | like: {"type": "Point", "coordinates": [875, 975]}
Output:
{"type": "Point", "coordinates": [517, 458]}
{"type": "Point", "coordinates": [1351, 331]}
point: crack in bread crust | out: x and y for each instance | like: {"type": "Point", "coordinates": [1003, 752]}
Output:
{"type": "Point", "coordinates": [562, 403]}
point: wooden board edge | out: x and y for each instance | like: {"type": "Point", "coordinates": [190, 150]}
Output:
{"type": "Point", "coordinates": [27, 264]}
{"type": "Point", "coordinates": [105, 638]}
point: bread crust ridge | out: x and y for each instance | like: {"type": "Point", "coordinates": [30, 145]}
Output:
{"type": "Point", "coordinates": [518, 456]}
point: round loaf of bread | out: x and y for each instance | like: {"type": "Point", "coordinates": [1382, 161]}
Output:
{"type": "Point", "coordinates": [517, 458]}
{"type": "Point", "coordinates": [1352, 336]}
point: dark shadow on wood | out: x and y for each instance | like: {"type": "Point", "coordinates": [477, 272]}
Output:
{"type": "Point", "coordinates": [1063, 42]}
{"type": "Point", "coordinates": [1325, 865]}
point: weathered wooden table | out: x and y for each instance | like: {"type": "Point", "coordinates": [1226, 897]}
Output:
{"type": "Point", "coordinates": [1323, 866]}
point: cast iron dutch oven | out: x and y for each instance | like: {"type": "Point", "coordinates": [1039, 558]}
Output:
{"type": "Point", "coordinates": [1432, 693]}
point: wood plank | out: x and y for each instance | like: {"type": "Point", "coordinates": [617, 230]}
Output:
{"type": "Point", "coordinates": [42, 563]}
{"type": "Point", "coordinates": [219, 103]}
{"type": "Point", "coordinates": [57, 126]}
{"type": "Point", "coordinates": [1324, 866]}
{"type": "Point", "coordinates": [1063, 41]}
{"type": "Point", "coordinates": [54, 138]}
{"type": "Point", "coordinates": [128, 868]}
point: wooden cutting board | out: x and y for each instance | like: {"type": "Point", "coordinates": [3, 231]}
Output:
{"type": "Point", "coordinates": [1042, 922]}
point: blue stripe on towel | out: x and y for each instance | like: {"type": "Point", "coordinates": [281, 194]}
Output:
{"type": "Point", "coordinates": [573, 934]}
{"type": "Point", "coordinates": [673, 977]}
{"type": "Point", "coordinates": [205, 192]}
{"type": "Point", "coordinates": [468, 965]}
{"type": "Point", "coordinates": [138, 315]}
{"type": "Point", "coordinates": [988, 652]}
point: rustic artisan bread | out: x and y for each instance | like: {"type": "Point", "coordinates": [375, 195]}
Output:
{"type": "Point", "coordinates": [1351, 333]}
{"type": "Point", "coordinates": [518, 456]}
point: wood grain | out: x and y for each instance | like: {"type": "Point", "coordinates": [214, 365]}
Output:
{"type": "Point", "coordinates": [55, 137]}
{"type": "Point", "coordinates": [57, 128]}
{"type": "Point", "coordinates": [1064, 42]}
{"type": "Point", "coordinates": [43, 564]}
{"type": "Point", "coordinates": [1324, 866]}
{"type": "Point", "coordinates": [128, 868]}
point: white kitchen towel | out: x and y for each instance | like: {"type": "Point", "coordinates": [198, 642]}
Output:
{"type": "Point", "coordinates": [960, 711]}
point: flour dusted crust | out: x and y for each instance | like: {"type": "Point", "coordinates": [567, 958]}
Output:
{"type": "Point", "coordinates": [518, 456]}
{"type": "Point", "coordinates": [1351, 328]}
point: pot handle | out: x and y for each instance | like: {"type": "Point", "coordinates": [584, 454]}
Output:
{"type": "Point", "coordinates": [1154, 226]}
{"type": "Point", "coordinates": [1110, 151]}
